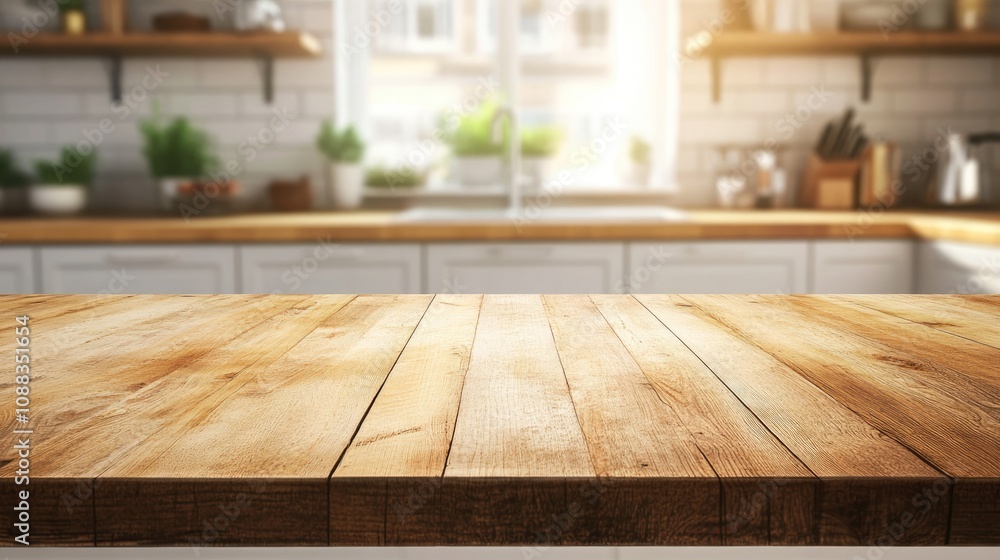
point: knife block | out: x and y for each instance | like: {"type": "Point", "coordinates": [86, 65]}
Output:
{"type": "Point", "coordinates": [830, 184]}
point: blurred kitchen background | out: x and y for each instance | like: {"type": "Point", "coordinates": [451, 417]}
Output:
{"type": "Point", "coordinates": [641, 110]}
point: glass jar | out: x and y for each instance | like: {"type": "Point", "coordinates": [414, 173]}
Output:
{"type": "Point", "coordinates": [971, 15]}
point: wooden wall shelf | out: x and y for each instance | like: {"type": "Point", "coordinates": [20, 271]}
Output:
{"type": "Point", "coordinates": [262, 46]}
{"type": "Point", "coordinates": [735, 44]}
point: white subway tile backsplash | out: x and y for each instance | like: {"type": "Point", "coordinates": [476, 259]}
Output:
{"type": "Point", "coordinates": [23, 133]}
{"type": "Point", "coordinates": [77, 73]}
{"type": "Point", "coordinates": [924, 101]}
{"type": "Point", "coordinates": [254, 104]}
{"type": "Point", "coordinates": [842, 71]}
{"type": "Point", "coordinates": [954, 71]}
{"type": "Point", "coordinates": [741, 72]}
{"type": "Point", "coordinates": [792, 71]}
{"type": "Point", "coordinates": [201, 104]}
{"type": "Point", "coordinates": [42, 104]}
{"type": "Point", "coordinates": [980, 100]}
{"type": "Point", "coordinates": [720, 130]}
{"type": "Point", "coordinates": [21, 73]}
{"type": "Point", "coordinates": [318, 103]}
{"type": "Point", "coordinates": [232, 74]}
{"type": "Point", "coordinates": [897, 71]}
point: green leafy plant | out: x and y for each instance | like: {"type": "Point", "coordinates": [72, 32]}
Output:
{"type": "Point", "coordinates": [11, 176]}
{"type": "Point", "coordinates": [386, 178]}
{"type": "Point", "coordinates": [71, 6]}
{"type": "Point", "coordinates": [640, 151]}
{"type": "Point", "coordinates": [177, 149]}
{"type": "Point", "coordinates": [72, 169]}
{"type": "Point", "coordinates": [541, 142]}
{"type": "Point", "coordinates": [472, 135]}
{"type": "Point", "coordinates": [343, 146]}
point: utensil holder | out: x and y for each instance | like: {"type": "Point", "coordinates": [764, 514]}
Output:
{"type": "Point", "coordinates": [830, 184]}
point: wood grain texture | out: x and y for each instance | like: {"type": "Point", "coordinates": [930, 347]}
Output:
{"type": "Point", "coordinates": [509, 420]}
{"type": "Point", "coordinates": [632, 435]}
{"type": "Point", "coordinates": [835, 443]}
{"type": "Point", "coordinates": [408, 432]}
{"type": "Point", "coordinates": [282, 416]}
{"type": "Point", "coordinates": [384, 227]}
{"type": "Point", "coordinates": [740, 449]}
{"type": "Point", "coordinates": [203, 45]}
{"type": "Point", "coordinates": [907, 398]}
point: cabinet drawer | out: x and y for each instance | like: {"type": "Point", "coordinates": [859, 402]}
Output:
{"type": "Point", "coordinates": [526, 268]}
{"type": "Point", "coordinates": [17, 270]}
{"type": "Point", "coordinates": [331, 269]}
{"type": "Point", "coordinates": [158, 269]}
{"type": "Point", "coordinates": [958, 268]}
{"type": "Point", "coordinates": [863, 267]}
{"type": "Point", "coordinates": [766, 267]}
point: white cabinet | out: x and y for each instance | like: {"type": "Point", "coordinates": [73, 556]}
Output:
{"type": "Point", "coordinates": [526, 268]}
{"type": "Point", "coordinates": [709, 267]}
{"type": "Point", "coordinates": [331, 269]}
{"type": "Point", "coordinates": [958, 268]}
{"type": "Point", "coordinates": [863, 267]}
{"type": "Point", "coordinates": [181, 269]}
{"type": "Point", "coordinates": [17, 270]}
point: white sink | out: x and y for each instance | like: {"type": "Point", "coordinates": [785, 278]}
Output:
{"type": "Point", "coordinates": [588, 214]}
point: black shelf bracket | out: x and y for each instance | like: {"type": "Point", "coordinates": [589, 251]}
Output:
{"type": "Point", "coordinates": [267, 76]}
{"type": "Point", "coordinates": [867, 69]}
{"type": "Point", "coordinates": [115, 78]}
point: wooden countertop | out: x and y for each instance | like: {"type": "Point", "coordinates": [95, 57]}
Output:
{"type": "Point", "coordinates": [508, 420]}
{"type": "Point", "coordinates": [384, 227]}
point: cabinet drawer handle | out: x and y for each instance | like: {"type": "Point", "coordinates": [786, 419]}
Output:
{"type": "Point", "coordinates": [341, 254]}
{"type": "Point", "coordinates": [123, 259]}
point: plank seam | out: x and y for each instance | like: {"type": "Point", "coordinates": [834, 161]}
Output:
{"type": "Point", "coordinates": [882, 311]}
{"type": "Point", "coordinates": [799, 373]}
{"type": "Point", "coordinates": [569, 390]}
{"type": "Point", "coordinates": [461, 394]}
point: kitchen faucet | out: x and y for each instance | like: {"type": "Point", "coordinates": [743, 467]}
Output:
{"type": "Point", "coordinates": [515, 203]}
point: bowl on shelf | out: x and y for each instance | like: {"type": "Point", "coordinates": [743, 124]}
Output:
{"type": "Point", "coordinates": [58, 200]}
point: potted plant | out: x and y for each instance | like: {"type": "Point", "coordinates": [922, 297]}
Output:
{"type": "Point", "coordinates": [74, 17]}
{"type": "Point", "coordinates": [640, 153]}
{"type": "Point", "coordinates": [344, 151]}
{"type": "Point", "coordinates": [477, 157]}
{"type": "Point", "coordinates": [178, 154]}
{"type": "Point", "coordinates": [539, 146]}
{"type": "Point", "coordinates": [62, 185]}
{"type": "Point", "coordinates": [11, 176]}
{"type": "Point", "coordinates": [405, 177]}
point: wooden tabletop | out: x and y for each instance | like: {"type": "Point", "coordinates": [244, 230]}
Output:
{"type": "Point", "coordinates": [506, 420]}
{"type": "Point", "coordinates": [981, 228]}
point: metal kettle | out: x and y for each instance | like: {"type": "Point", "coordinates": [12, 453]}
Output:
{"type": "Point", "coordinates": [965, 176]}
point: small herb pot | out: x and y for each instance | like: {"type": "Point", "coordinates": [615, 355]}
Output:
{"type": "Point", "coordinates": [346, 185]}
{"type": "Point", "coordinates": [58, 200]}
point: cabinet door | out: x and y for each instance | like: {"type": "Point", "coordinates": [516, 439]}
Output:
{"type": "Point", "coordinates": [863, 267]}
{"type": "Point", "coordinates": [958, 268]}
{"type": "Point", "coordinates": [526, 268]}
{"type": "Point", "coordinates": [139, 270]}
{"type": "Point", "coordinates": [331, 269]}
{"type": "Point", "coordinates": [17, 271]}
{"type": "Point", "coordinates": [709, 267]}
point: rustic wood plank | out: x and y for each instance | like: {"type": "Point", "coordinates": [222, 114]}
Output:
{"type": "Point", "coordinates": [975, 374]}
{"type": "Point", "coordinates": [272, 443]}
{"type": "Point", "coordinates": [108, 353]}
{"type": "Point", "coordinates": [967, 317]}
{"type": "Point", "coordinates": [632, 436]}
{"type": "Point", "coordinates": [740, 449]}
{"type": "Point", "coordinates": [401, 449]}
{"type": "Point", "coordinates": [889, 389]}
{"type": "Point", "coordinates": [517, 444]}
{"type": "Point", "coordinates": [866, 478]}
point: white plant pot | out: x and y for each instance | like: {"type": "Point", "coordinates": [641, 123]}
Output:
{"type": "Point", "coordinates": [479, 171]}
{"type": "Point", "coordinates": [346, 185]}
{"type": "Point", "coordinates": [537, 171]}
{"type": "Point", "coordinates": [58, 200]}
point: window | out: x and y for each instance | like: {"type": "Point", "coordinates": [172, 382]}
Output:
{"type": "Point", "coordinates": [600, 75]}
